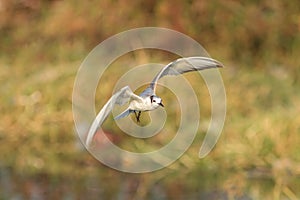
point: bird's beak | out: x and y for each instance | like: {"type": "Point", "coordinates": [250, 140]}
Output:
{"type": "Point", "coordinates": [162, 105]}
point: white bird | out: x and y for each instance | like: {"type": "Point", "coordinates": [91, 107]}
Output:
{"type": "Point", "coordinates": [148, 100]}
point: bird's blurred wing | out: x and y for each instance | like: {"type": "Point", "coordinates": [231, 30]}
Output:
{"type": "Point", "coordinates": [121, 97]}
{"type": "Point", "coordinates": [147, 92]}
{"type": "Point", "coordinates": [184, 65]}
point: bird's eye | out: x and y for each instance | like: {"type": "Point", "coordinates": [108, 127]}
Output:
{"type": "Point", "coordinates": [154, 101]}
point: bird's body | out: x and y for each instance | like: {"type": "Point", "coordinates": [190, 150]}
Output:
{"type": "Point", "coordinates": [148, 100]}
{"type": "Point", "coordinates": [143, 105]}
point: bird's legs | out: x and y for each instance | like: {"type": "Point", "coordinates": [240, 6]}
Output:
{"type": "Point", "coordinates": [137, 115]}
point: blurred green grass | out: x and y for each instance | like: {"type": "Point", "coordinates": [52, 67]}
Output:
{"type": "Point", "coordinates": [43, 44]}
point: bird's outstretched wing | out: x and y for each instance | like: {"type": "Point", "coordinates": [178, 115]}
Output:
{"type": "Point", "coordinates": [121, 97]}
{"type": "Point", "coordinates": [180, 66]}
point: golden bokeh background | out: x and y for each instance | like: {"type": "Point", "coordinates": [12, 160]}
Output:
{"type": "Point", "coordinates": [42, 44]}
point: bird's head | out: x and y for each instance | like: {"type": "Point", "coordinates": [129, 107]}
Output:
{"type": "Point", "coordinates": [156, 101]}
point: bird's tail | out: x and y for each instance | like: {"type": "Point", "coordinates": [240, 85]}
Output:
{"type": "Point", "coordinates": [123, 114]}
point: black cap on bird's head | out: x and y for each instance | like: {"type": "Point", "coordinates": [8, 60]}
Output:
{"type": "Point", "coordinates": [157, 100]}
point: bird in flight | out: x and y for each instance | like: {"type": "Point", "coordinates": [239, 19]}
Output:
{"type": "Point", "coordinates": [148, 100]}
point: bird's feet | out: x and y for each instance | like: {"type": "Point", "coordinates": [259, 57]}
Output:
{"type": "Point", "coordinates": [137, 116]}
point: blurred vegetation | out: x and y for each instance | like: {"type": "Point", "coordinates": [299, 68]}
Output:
{"type": "Point", "coordinates": [43, 44]}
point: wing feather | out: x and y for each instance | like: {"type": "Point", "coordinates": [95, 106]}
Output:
{"type": "Point", "coordinates": [121, 97]}
{"type": "Point", "coordinates": [184, 65]}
